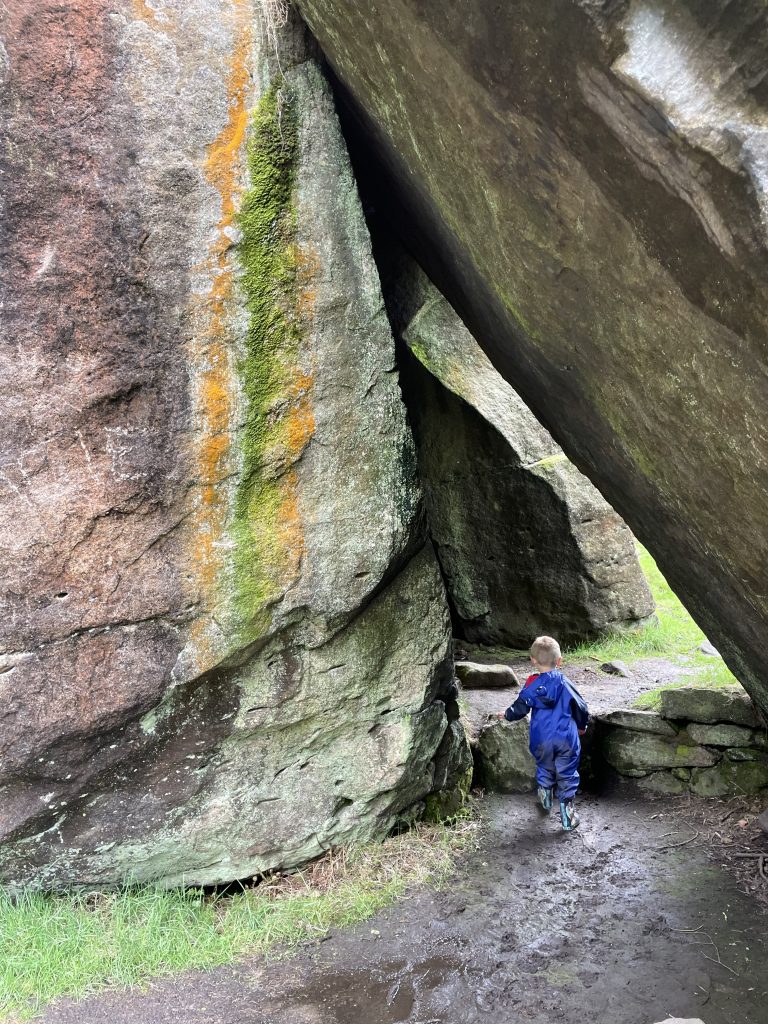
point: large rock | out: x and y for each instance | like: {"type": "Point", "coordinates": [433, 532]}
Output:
{"type": "Point", "coordinates": [453, 774]}
{"type": "Point", "coordinates": [661, 784]}
{"type": "Point", "coordinates": [722, 735]}
{"type": "Point", "coordinates": [526, 544]}
{"type": "Point", "coordinates": [475, 676]}
{"type": "Point", "coordinates": [709, 704]}
{"type": "Point", "coordinates": [628, 752]}
{"type": "Point", "coordinates": [504, 763]}
{"type": "Point", "coordinates": [730, 778]}
{"type": "Point", "coordinates": [586, 183]}
{"type": "Point", "coordinates": [224, 637]}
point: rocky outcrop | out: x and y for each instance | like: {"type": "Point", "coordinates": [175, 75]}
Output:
{"type": "Point", "coordinates": [225, 637]}
{"type": "Point", "coordinates": [585, 181]}
{"type": "Point", "coordinates": [526, 544]}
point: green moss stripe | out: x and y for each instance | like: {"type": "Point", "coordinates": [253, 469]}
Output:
{"type": "Point", "coordinates": [267, 256]}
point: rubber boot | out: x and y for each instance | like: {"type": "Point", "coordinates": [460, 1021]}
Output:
{"type": "Point", "coordinates": [545, 798]}
{"type": "Point", "coordinates": [568, 815]}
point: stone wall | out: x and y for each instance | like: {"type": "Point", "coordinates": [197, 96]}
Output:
{"type": "Point", "coordinates": [709, 741]}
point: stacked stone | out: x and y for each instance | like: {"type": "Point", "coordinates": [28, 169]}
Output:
{"type": "Point", "coordinates": [706, 740]}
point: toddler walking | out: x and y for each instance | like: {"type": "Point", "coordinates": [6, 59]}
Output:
{"type": "Point", "coordinates": [559, 716]}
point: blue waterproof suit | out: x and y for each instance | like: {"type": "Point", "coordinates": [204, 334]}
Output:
{"type": "Point", "coordinates": [558, 711]}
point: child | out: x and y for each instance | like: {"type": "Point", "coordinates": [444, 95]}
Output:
{"type": "Point", "coordinates": [559, 716]}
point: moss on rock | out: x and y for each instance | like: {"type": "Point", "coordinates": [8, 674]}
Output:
{"type": "Point", "coordinates": [267, 255]}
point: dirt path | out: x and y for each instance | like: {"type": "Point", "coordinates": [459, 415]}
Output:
{"type": "Point", "coordinates": [539, 927]}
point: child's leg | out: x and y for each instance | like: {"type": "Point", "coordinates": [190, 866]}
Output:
{"type": "Point", "coordinates": [546, 774]}
{"type": "Point", "coordinates": [567, 772]}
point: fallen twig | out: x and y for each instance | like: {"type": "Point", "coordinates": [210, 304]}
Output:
{"type": "Point", "coordinates": [709, 942]}
{"type": "Point", "coordinates": [720, 962]}
{"type": "Point", "coordinates": [761, 862]}
{"type": "Point", "coordinates": [674, 846]}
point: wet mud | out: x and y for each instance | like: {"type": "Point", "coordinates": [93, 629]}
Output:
{"type": "Point", "coordinates": [539, 926]}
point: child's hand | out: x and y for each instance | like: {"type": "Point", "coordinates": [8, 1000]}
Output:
{"type": "Point", "coordinates": [501, 714]}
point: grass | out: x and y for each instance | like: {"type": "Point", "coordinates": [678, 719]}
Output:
{"type": "Point", "coordinates": [74, 945]}
{"type": "Point", "coordinates": [676, 637]}
{"type": "Point", "coordinates": [675, 633]}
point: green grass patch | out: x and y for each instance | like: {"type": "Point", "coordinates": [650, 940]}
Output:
{"type": "Point", "coordinates": [674, 634]}
{"type": "Point", "coordinates": [74, 945]}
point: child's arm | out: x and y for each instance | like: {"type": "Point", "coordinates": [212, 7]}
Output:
{"type": "Point", "coordinates": [579, 709]}
{"type": "Point", "coordinates": [518, 710]}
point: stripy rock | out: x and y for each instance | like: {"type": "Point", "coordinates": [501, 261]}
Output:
{"type": "Point", "coordinates": [224, 638]}
{"type": "Point", "coordinates": [586, 183]}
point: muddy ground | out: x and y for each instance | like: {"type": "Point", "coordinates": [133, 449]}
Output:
{"type": "Point", "coordinates": [603, 925]}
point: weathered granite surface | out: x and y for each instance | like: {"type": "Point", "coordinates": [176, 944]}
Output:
{"type": "Point", "coordinates": [585, 181]}
{"type": "Point", "coordinates": [504, 763]}
{"type": "Point", "coordinates": [223, 638]}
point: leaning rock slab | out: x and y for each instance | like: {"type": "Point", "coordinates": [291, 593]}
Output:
{"type": "Point", "coordinates": [212, 664]}
{"type": "Point", "coordinates": [709, 705]}
{"type": "Point", "coordinates": [505, 505]}
{"type": "Point", "coordinates": [504, 763]}
{"type": "Point", "coordinates": [589, 190]}
{"type": "Point", "coordinates": [628, 751]}
{"type": "Point", "coordinates": [474, 676]}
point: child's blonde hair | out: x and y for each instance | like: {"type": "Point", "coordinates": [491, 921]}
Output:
{"type": "Point", "coordinates": [545, 650]}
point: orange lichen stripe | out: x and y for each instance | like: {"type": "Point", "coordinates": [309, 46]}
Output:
{"type": "Point", "coordinates": [212, 356]}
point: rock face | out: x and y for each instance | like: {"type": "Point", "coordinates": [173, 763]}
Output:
{"type": "Point", "coordinates": [586, 183]}
{"type": "Point", "coordinates": [526, 544]}
{"type": "Point", "coordinates": [225, 638]}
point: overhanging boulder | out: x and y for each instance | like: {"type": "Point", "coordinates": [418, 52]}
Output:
{"type": "Point", "coordinates": [585, 182]}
